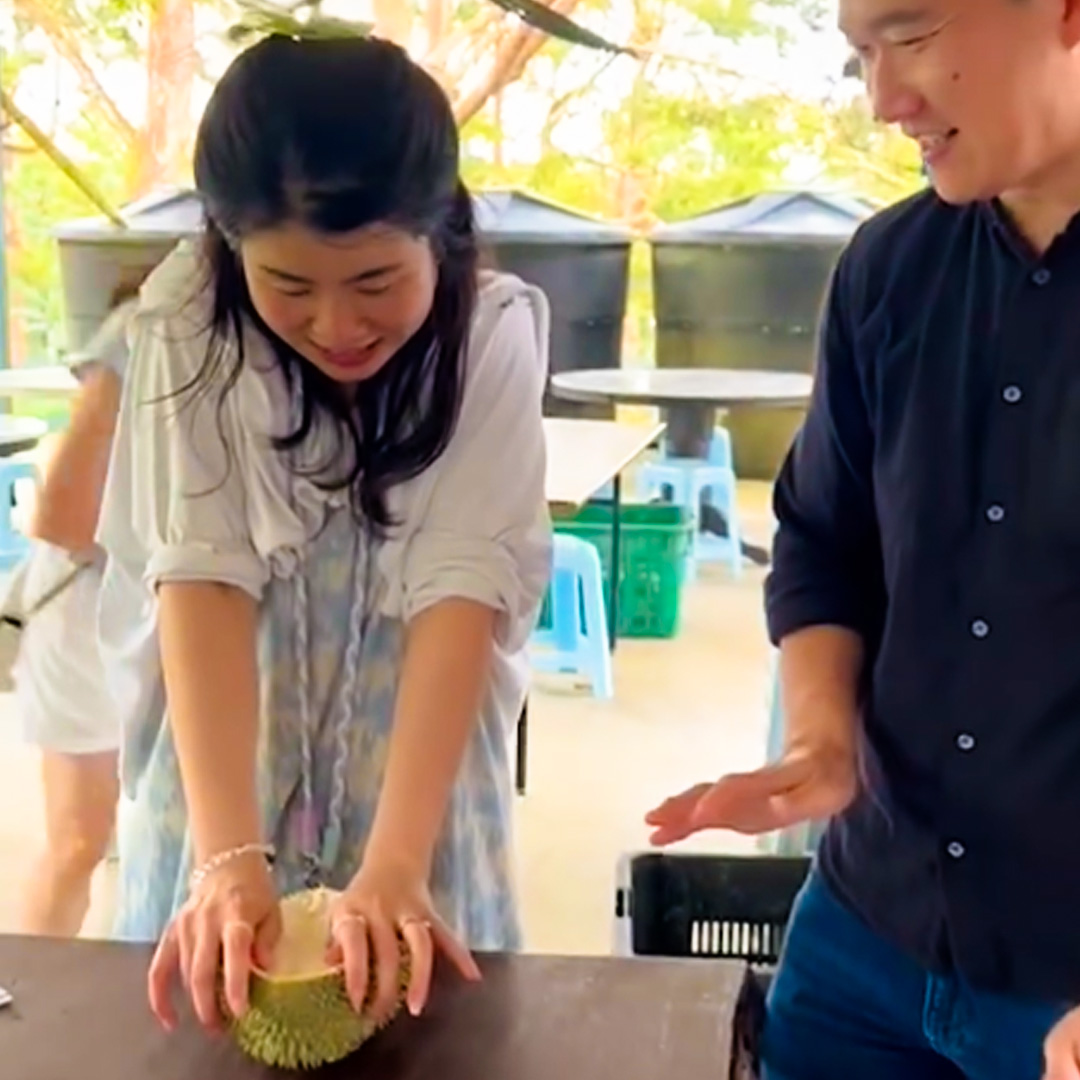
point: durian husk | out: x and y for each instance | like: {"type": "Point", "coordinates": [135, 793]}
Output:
{"type": "Point", "coordinates": [304, 1020]}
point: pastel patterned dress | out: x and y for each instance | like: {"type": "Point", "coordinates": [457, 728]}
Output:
{"type": "Point", "coordinates": [199, 494]}
{"type": "Point", "coordinates": [472, 881]}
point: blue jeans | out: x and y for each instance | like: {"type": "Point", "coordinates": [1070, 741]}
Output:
{"type": "Point", "coordinates": [847, 1005]}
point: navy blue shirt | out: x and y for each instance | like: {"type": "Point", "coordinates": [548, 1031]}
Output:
{"type": "Point", "coordinates": [931, 502]}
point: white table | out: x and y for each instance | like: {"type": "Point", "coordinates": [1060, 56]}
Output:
{"type": "Point", "coordinates": [55, 381]}
{"type": "Point", "coordinates": [583, 456]}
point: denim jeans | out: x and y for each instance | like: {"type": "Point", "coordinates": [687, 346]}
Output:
{"type": "Point", "coordinates": [847, 1005]}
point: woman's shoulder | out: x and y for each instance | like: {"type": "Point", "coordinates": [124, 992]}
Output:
{"type": "Point", "coordinates": [108, 347]}
{"type": "Point", "coordinates": [179, 288]}
{"type": "Point", "coordinates": [512, 318]}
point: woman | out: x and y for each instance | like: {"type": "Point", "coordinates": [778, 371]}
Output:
{"type": "Point", "coordinates": [59, 683]}
{"type": "Point", "coordinates": [327, 536]}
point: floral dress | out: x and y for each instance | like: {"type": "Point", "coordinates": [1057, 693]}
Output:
{"type": "Point", "coordinates": [196, 492]}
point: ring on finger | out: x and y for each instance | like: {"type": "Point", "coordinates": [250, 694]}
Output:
{"type": "Point", "coordinates": [350, 916]}
{"type": "Point", "coordinates": [414, 920]}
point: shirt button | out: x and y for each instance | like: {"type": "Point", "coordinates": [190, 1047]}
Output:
{"type": "Point", "coordinates": [995, 513]}
{"type": "Point", "coordinates": [955, 849]}
{"type": "Point", "coordinates": [965, 741]}
{"type": "Point", "coordinates": [1012, 394]}
{"type": "Point", "coordinates": [980, 628]}
{"type": "Point", "coordinates": [1041, 276]}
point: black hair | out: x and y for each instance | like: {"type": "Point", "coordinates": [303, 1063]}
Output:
{"type": "Point", "coordinates": [336, 134]}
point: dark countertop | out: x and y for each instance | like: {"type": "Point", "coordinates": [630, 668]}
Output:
{"type": "Point", "coordinates": [80, 1011]}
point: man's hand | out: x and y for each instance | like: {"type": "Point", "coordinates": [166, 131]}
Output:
{"type": "Point", "coordinates": [1062, 1049]}
{"type": "Point", "coordinates": [807, 784]}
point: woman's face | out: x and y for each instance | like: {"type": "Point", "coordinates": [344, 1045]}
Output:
{"type": "Point", "coordinates": [346, 303]}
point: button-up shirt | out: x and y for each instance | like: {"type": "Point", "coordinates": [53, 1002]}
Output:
{"type": "Point", "coordinates": [931, 502]}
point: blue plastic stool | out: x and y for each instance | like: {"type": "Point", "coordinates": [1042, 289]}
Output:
{"type": "Point", "coordinates": [13, 545]}
{"type": "Point", "coordinates": [577, 640]}
{"type": "Point", "coordinates": [720, 452]}
{"type": "Point", "coordinates": [717, 476]}
{"type": "Point", "coordinates": [689, 479]}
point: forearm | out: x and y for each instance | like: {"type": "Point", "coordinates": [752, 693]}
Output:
{"type": "Point", "coordinates": [207, 640]}
{"type": "Point", "coordinates": [444, 672]}
{"type": "Point", "coordinates": [820, 670]}
{"type": "Point", "coordinates": [68, 500]}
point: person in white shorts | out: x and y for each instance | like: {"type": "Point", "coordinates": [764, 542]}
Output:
{"type": "Point", "coordinates": [59, 681]}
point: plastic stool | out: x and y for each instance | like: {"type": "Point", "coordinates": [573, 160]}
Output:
{"type": "Point", "coordinates": [689, 479]}
{"type": "Point", "coordinates": [13, 545]}
{"type": "Point", "coordinates": [720, 452]}
{"type": "Point", "coordinates": [577, 640]}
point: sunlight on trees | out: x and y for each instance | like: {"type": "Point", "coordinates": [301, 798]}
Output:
{"type": "Point", "coordinates": [667, 130]}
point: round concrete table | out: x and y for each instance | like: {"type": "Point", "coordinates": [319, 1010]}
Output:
{"type": "Point", "coordinates": [19, 433]}
{"type": "Point", "coordinates": [689, 398]}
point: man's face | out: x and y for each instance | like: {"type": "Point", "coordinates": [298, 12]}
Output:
{"type": "Point", "coordinates": [989, 88]}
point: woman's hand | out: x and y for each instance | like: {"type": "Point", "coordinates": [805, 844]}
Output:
{"type": "Point", "coordinates": [232, 920]}
{"type": "Point", "coordinates": [382, 900]}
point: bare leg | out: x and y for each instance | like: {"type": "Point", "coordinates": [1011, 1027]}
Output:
{"type": "Point", "coordinates": [81, 793]}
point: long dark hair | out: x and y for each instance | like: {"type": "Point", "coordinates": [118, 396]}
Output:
{"type": "Point", "coordinates": [335, 135]}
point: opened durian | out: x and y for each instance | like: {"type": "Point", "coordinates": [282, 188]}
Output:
{"type": "Point", "coordinates": [300, 1016]}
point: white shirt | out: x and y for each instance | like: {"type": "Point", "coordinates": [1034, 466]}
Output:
{"type": "Point", "coordinates": [196, 491]}
{"type": "Point", "coordinates": [59, 683]}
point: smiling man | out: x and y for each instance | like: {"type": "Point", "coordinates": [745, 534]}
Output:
{"type": "Point", "coordinates": [926, 585]}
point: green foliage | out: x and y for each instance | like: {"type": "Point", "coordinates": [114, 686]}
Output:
{"type": "Point", "coordinates": [261, 18]}
{"type": "Point", "coordinates": [673, 138]}
{"type": "Point", "coordinates": [108, 28]}
{"type": "Point", "coordinates": [876, 162]}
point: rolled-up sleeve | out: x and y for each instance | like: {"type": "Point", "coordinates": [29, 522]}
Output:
{"type": "Point", "coordinates": [174, 504]}
{"type": "Point", "coordinates": [827, 553]}
{"type": "Point", "coordinates": [485, 534]}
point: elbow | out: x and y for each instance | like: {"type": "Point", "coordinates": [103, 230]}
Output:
{"type": "Point", "coordinates": [62, 525]}
{"type": "Point", "coordinates": [814, 586]}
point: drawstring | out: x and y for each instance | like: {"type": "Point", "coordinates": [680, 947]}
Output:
{"type": "Point", "coordinates": [318, 859]}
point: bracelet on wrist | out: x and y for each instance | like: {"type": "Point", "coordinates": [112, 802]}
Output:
{"type": "Point", "coordinates": [222, 858]}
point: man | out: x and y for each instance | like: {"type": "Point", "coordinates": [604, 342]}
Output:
{"type": "Point", "coordinates": [926, 585]}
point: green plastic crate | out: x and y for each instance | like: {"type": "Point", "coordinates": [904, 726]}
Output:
{"type": "Point", "coordinates": [654, 539]}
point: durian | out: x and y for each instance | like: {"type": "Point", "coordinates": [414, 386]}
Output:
{"type": "Point", "coordinates": [299, 1014]}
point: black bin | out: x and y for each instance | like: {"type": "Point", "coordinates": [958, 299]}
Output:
{"type": "Point", "coordinates": [711, 906]}
{"type": "Point", "coordinates": [741, 286]}
{"type": "Point", "coordinates": [581, 263]}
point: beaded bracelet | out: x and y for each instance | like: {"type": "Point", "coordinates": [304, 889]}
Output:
{"type": "Point", "coordinates": [215, 862]}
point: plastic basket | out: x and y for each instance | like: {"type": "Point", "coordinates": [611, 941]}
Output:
{"type": "Point", "coordinates": [654, 540]}
{"type": "Point", "coordinates": [710, 906]}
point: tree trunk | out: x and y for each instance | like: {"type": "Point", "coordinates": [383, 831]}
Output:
{"type": "Point", "coordinates": [515, 50]}
{"type": "Point", "coordinates": [437, 20]}
{"type": "Point", "coordinates": [393, 21]}
{"type": "Point", "coordinates": [171, 68]}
